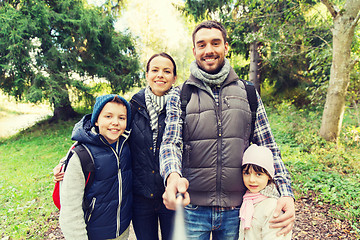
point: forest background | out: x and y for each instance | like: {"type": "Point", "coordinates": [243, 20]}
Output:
{"type": "Point", "coordinates": [301, 55]}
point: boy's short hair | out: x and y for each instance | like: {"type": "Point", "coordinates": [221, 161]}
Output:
{"type": "Point", "coordinates": [104, 99]}
{"type": "Point", "coordinates": [210, 24]}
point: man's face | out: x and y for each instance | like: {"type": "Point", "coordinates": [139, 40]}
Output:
{"type": "Point", "coordinates": [210, 49]}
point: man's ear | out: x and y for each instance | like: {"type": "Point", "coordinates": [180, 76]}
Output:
{"type": "Point", "coordinates": [226, 48]}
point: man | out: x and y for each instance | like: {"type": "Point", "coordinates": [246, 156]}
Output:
{"type": "Point", "coordinates": [203, 160]}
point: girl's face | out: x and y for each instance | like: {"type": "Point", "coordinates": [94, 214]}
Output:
{"type": "Point", "coordinates": [160, 76]}
{"type": "Point", "coordinates": [112, 121]}
{"type": "Point", "coordinates": [255, 181]}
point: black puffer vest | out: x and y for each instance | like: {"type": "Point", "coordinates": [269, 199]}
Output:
{"type": "Point", "coordinates": [147, 181]}
{"type": "Point", "coordinates": [215, 137]}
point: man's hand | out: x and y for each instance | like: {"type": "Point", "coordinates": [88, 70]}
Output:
{"type": "Point", "coordinates": [286, 220]}
{"type": "Point", "coordinates": [58, 176]}
{"type": "Point", "coordinates": [175, 184]}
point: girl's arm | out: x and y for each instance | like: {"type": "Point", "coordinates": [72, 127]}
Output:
{"type": "Point", "coordinates": [72, 221]}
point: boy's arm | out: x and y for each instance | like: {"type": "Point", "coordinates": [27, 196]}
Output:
{"type": "Point", "coordinates": [72, 221]}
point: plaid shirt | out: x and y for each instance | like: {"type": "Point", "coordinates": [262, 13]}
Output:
{"type": "Point", "coordinates": [172, 144]}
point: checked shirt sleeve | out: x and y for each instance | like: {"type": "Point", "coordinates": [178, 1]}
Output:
{"type": "Point", "coordinates": [172, 144]}
{"type": "Point", "coordinates": [264, 137]}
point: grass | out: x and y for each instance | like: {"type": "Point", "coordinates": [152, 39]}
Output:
{"type": "Point", "coordinates": [26, 163]}
{"type": "Point", "coordinates": [330, 171]}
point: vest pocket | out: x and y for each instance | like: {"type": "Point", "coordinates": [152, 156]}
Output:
{"type": "Point", "coordinates": [233, 101]}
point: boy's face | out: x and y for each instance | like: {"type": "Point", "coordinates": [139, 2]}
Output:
{"type": "Point", "coordinates": [112, 121]}
{"type": "Point", "coordinates": [255, 181]}
{"type": "Point", "coordinates": [210, 49]}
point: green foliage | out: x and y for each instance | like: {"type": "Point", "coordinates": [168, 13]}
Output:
{"type": "Point", "coordinates": [329, 171]}
{"type": "Point", "coordinates": [49, 47]}
{"type": "Point", "coordinates": [294, 42]}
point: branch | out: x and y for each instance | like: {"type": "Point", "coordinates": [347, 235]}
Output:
{"type": "Point", "coordinates": [330, 7]}
{"type": "Point", "coordinates": [357, 19]}
{"type": "Point", "coordinates": [354, 62]}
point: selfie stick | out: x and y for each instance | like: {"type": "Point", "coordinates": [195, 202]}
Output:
{"type": "Point", "coordinates": [179, 232]}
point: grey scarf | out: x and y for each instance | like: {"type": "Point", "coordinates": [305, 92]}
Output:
{"type": "Point", "coordinates": [210, 79]}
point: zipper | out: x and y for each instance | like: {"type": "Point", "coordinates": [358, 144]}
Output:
{"type": "Point", "coordinates": [219, 141]}
{"type": "Point", "coordinates": [120, 186]}
{"type": "Point", "coordinates": [92, 205]}
{"type": "Point", "coordinates": [119, 178]}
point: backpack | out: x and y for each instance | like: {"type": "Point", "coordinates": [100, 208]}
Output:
{"type": "Point", "coordinates": [87, 165]}
{"type": "Point", "coordinates": [187, 89]}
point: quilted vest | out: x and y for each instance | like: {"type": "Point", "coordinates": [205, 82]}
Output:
{"type": "Point", "coordinates": [215, 136]}
{"type": "Point", "coordinates": [109, 199]}
{"type": "Point", "coordinates": [147, 181]}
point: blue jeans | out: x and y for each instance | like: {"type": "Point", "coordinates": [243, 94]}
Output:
{"type": "Point", "coordinates": [200, 221]}
{"type": "Point", "coordinates": [146, 215]}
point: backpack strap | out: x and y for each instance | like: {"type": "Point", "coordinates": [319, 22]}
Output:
{"type": "Point", "coordinates": [87, 163]}
{"type": "Point", "coordinates": [253, 102]}
{"type": "Point", "coordinates": [185, 95]}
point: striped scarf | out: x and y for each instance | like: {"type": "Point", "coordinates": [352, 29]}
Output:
{"type": "Point", "coordinates": [154, 105]}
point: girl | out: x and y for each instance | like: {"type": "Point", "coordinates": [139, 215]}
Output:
{"type": "Point", "coordinates": [148, 113]}
{"type": "Point", "coordinates": [260, 199]}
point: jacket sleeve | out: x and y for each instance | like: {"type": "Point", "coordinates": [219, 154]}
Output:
{"type": "Point", "coordinates": [263, 137]}
{"type": "Point", "coordinates": [72, 221]}
{"type": "Point", "coordinates": [268, 233]}
{"type": "Point", "coordinates": [171, 145]}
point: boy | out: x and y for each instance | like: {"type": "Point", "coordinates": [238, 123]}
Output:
{"type": "Point", "coordinates": [106, 213]}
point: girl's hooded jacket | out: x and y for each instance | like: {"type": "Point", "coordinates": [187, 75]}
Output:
{"type": "Point", "coordinates": [108, 200]}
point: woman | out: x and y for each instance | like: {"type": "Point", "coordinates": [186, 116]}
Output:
{"type": "Point", "coordinates": [148, 114]}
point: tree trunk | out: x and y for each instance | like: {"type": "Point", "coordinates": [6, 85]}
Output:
{"type": "Point", "coordinates": [343, 33]}
{"type": "Point", "coordinates": [64, 113]}
{"type": "Point", "coordinates": [254, 72]}
{"type": "Point", "coordinates": [63, 110]}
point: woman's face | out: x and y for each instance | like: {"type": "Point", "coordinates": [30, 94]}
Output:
{"type": "Point", "coordinates": [160, 76]}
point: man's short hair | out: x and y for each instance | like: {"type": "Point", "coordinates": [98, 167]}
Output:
{"type": "Point", "coordinates": [210, 24]}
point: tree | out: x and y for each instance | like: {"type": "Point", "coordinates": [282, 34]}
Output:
{"type": "Point", "coordinates": [272, 35]}
{"type": "Point", "coordinates": [345, 21]}
{"type": "Point", "coordinates": [47, 48]}
{"type": "Point", "coordinates": [158, 30]}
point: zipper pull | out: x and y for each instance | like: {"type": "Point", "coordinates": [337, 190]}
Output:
{"type": "Point", "coordinates": [226, 101]}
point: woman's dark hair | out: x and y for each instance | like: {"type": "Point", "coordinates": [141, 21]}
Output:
{"type": "Point", "coordinates": [210, 24]}
{"type": "Point", "coordinates": [162, 54]}
{"type": "Point", "coordinates": [256, 168]}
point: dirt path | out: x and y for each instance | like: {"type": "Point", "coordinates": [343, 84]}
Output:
{"type": "Point", "coordinates": [312, 223]}
{"type": "Point", "coordinates": [15, 116]}
{"type": "Point", "coordinates": [14, 124]}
